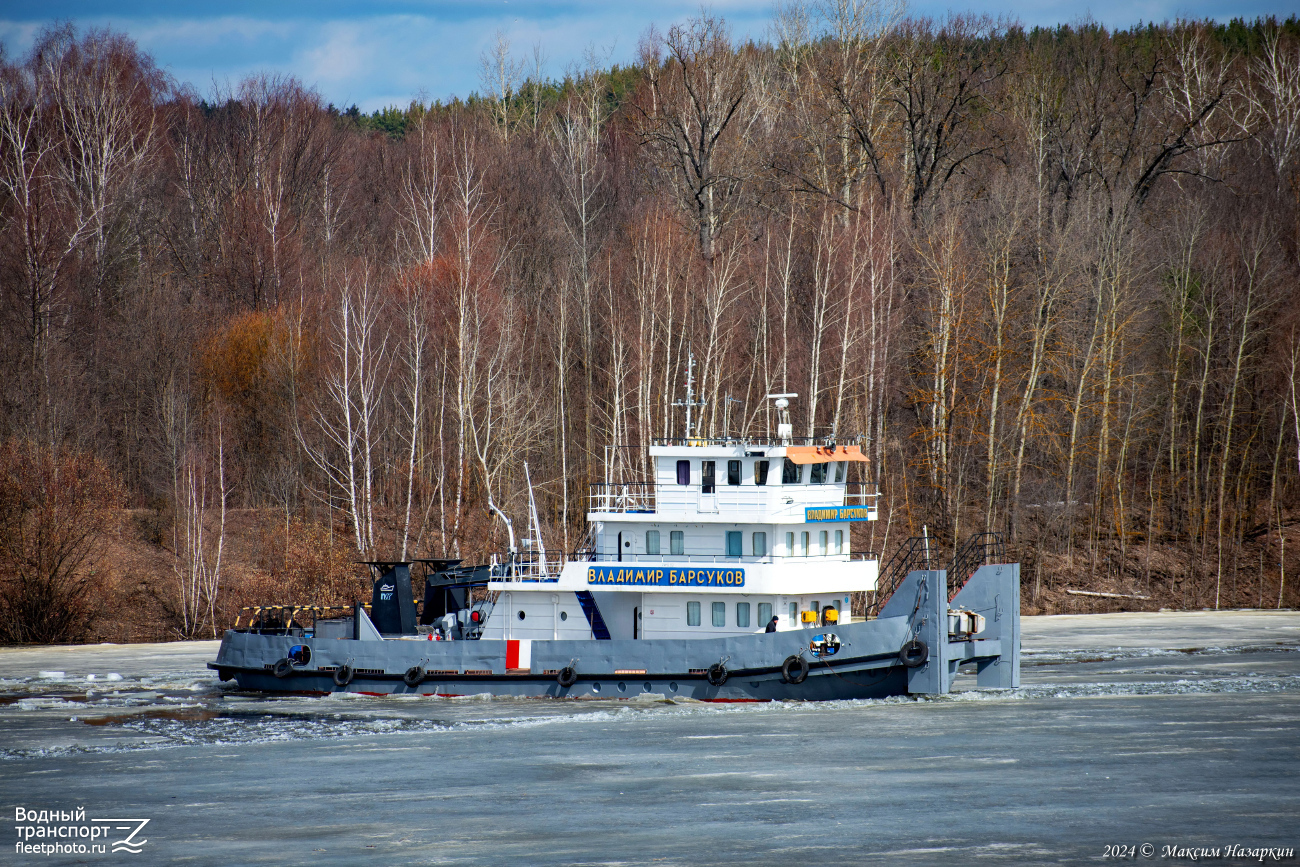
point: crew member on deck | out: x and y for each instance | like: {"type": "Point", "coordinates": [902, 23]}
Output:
{"type": "Point", "coordinates": [771, 624]}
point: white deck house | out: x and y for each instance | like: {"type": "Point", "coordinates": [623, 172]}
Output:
{"type": "Point", "coordinates": [730, 534]}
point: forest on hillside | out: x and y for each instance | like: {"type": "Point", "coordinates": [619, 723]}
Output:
{"type": "Point", "coordinates": [1047, 278]}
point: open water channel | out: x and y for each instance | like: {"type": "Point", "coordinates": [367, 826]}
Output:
{"type": "Point", "coordinates": [1173, 731]}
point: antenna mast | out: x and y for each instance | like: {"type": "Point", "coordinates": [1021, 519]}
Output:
{"type": "Point", "coordinates": [537, 524]}
{"type": "Point", "coordinates": [690, 393]}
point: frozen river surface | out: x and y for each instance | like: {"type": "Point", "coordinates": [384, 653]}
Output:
{"type": "Point", "coordinates": [1173, 730]}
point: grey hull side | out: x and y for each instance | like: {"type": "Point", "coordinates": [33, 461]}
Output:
{"type": "Point", "coordinates": [867, 664]}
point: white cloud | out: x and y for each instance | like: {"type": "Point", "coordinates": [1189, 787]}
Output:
{"type": "Point", "coordinates": [383, 59]}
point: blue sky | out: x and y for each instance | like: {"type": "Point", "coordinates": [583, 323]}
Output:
{"type": "Point", "coordinates": [388, 51]}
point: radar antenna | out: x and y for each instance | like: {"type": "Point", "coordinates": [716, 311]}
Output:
{"type": "Point", "coordinates": [784, 429]}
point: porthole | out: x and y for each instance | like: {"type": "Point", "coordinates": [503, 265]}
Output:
{"type": "Point", "coordinates": [648, 688]}
{"type": "Point", "coordinates": [564, 615]}
{"type": "Point", "coordinates": [672, 686]}
{"type": "Point", "coordinates": [521, 615]}
{"type": "Point", "coordinates": [622, 687]}
{"type": "Point", "coordinates": [595, 687]}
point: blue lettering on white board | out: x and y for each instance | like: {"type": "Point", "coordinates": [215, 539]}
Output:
{"type": "Point", "coordinates": [814, 514]}
{"type": "Point", "coordinates": [665, 576]}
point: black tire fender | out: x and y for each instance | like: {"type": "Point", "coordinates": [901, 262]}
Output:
{"type": "Point", "coordinates": [914, 653]}
{"type": "Point", "coordinates": [414, 676]}
{"type": "Point", "coordinates": [794, 669]}
{"type": "Point", "coordinates": [343, 675]}
{"type": "Point", "coordinates": [283, 668]}
{"type": "Point", "coordinates": [717, 674]}
{"type": "Point", "coordinates": [225, 674]}
{"type": "Point", "coordinates": [567, 677]}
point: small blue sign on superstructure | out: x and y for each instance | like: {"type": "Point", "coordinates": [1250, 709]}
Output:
{"type": "Point", "coordinates": [665, 576]}
{"type": "Point", "coordinates": [815, 514]}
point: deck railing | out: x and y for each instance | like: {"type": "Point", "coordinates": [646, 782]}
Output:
{"type": "Point", "coordinates": [622, 497]}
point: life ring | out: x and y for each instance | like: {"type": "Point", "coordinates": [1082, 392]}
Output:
{"type": "Point", "coordinates": [567, 677]}
{"type": "Point", "coordinates": [343, 675]}
{"type": "Point", "coordinates": [791, 663]}
{"type": "Point", "coordinates": [717, 674]}
{"type": "Point", "coordinates": [283, 667]}
{"type": "Point", "coordinates": [914, 653]}
{"type": "Point", "coordinates": [414, 676]}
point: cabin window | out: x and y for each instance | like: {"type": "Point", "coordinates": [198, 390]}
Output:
{"type": "Point", "coordinates": [652, 541]}
{"type": "Point", "coordinates": [683, 472]}
{"type": "Point", "coordinates": [742, 615]}
{"type": "Point", "coordinates": [839, 541]}
{"type": "Point", "coordinates": [719, 614]}
{"type": "Point", "coordinates": [794, 612]}
{"type": "Point", "coordinates": [706, 477]}
{"type": "Point", "coordinates": [733, 543]}
{"type": "Point", "coordinates": [789, 544]}
{"type": "Point", "coordinates": [839, 471]}
{"type": "Point", "coordinates": [676, 542]}
{"type": "Point", "coordinates": [760, 472]}
{"type": "Point", "coordinates": [790, 472]}
{"type": "Point", "coordinates": [764, 612]}
{"type": "Point", "coordinates": [733, 472]}
{"type": "Point", "coordinates": [692, 614]}
{"type": "Point", "coordinates": [803, 543]}
{"type": "Point", "coordinates": [760, 544]}
{"type": "Point", "coordinates": [818, 475]}
{"type": "Point", "coordinates": [821, 543]}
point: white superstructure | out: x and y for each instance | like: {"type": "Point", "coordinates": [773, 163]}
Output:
{"type": "Point", "coordinates": [728, 534]}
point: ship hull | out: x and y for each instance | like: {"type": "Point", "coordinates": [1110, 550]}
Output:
{"type": "Point", "coordinates": [869, 662]}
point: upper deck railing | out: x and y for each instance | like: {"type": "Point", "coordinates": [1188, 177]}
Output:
{"type": "Point", "coordinates": [642, 498]}
{"type": "Point", "coordinates": [755, 441]}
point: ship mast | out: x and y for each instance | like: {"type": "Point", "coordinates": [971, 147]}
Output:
{"type": "Point", "coordinates": [690, 392]}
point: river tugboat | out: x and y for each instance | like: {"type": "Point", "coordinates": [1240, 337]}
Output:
{"type": "Point", "coordinates": [727, 576]}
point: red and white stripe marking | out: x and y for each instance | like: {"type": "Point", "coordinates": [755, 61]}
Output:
{"type": "Point", "coordinates": [519, 654]}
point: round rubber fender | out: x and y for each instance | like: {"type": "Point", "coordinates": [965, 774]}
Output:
{"type": "Point", "coordinates": [794, 669]}
{"type": "Point", "coordinates": [283, 667]}
{"type": "Point", "coordinates": [567, 677]}
{"type": "Point", "coordinates": [343, 675]}
{"type": "Point", "coordinates": [414, 676]}
{"type": "Point", "coordinates": [717, 674]}
{"type": "Point", "coordinates": [914, 653]}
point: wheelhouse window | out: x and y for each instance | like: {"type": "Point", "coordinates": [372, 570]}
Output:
{"type": "Point", "coordinates": [760, 544]}
{"type": "Point", "coordinates": [652, 541]}
{"type": "Point", "coordinates": [742, 615]}
{"type": "Point", "coordinates": [733, 543]}
{"type": "Point", "coordinates": [839, 471]}
{"type": "Point", "coordinates": [719, 614]}
{"type": "Point", "coordinates": [733, 472]}
{"type": "Point", "coordinates": [760, 472]}
{"type": "Point", "coordinates": [789, 544]}
{"type": "Point", "coordinates": [818, 475]}
{"type": "Point", "coordinates": [706, 477]}
{"type": "Point", "coordinates": [676, 542]}
{"type": "Point", "coordinates": [821, 543]}
{"type": "Point", "coordinates": [803, 543]}
{"type": "Point", "coordinates": [764, 613]}
{"type": "Point", "coordinates": [692, 614]}
{"type": "Point", "coordinates": [790, 472]}
{"type": "Point", "coordinates": [839, 541]}
{"type": "Point", "coordinates": [683, 472]}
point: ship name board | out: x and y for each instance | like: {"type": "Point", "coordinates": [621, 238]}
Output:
{"type": "Point", "coordinates": [839, 513]}
{"type": "Point", "coordinates": [665, 576]}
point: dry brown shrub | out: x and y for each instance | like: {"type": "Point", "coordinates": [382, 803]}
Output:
{"type": "Point", "coordinates": [55, 507]}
